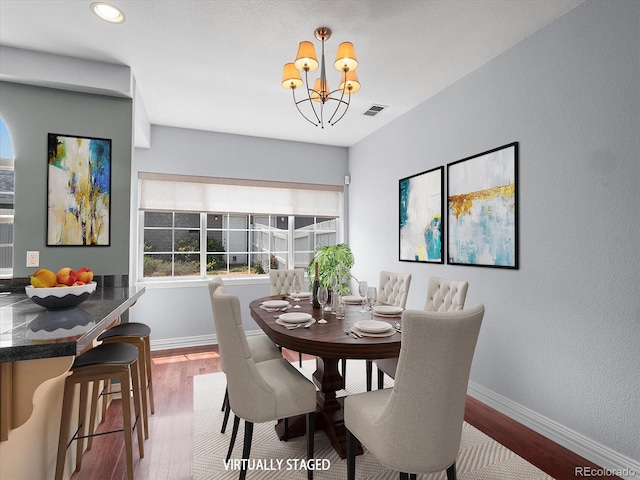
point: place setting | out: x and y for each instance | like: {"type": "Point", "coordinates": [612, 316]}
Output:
{"type": "Point", "coordinates": [293, 320]}
{"type": "Point", "coordinates": [275, 305]}
{"type": "Point", "coordinates": [389, 311]}
{"type": "Point", "coordinates": [373, 328]}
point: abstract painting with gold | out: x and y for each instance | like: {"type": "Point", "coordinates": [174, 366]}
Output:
{"type": "Point", "coordinates": [482, 209]}
{"type": "Point", "coordinates": [79, 190]}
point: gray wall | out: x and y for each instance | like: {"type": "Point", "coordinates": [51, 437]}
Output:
{"type": "Point", "coordinates": [560, 335]}
{"type": "Point", "coordinates": [30, 113]}
{"type": "Point", "coordinates": [182, 313]}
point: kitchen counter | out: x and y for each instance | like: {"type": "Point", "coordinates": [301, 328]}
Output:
{"type": "Point", "coordinates": [29, 331]}
{"type": "Point", "coordinates": [37, 348]}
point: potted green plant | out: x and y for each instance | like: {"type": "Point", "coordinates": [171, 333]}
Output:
{"type": "Point", "coordinates": [334, 261]}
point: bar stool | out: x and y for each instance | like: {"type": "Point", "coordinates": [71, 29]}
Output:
{"type": "Point", "coordinates": [102, 363]}
{"type": "Point", "coordinates": [138, 335]}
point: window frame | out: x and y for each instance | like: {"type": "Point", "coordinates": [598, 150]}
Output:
{"type": "Point", "coordinates": [7, 216]}
{"type": "Point", "coordinates": [249, 276]}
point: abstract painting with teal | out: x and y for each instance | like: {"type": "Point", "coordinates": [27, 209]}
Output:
{"type": "Point", "coordinates": [79, 193]}
{"type": "Point", "coordinates": [482, 212]}
{"type": "Point", "coordinates": [421, 217]}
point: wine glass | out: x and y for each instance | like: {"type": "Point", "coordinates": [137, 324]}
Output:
{"type": "Point", "coordinates": [297, 286]}
{"type": "Point", "coordinates": [372, 296]}
{"type": "Point", "coordinates": [323, 297]}
{"type": "Point", "coordinates": [362, 290]}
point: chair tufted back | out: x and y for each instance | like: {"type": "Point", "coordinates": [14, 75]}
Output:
{"type": "Point", "coordinates": [282, 280]}
{"type": "Point", "coordinates": [445, 295]}
{"type": "Point", "coordinates": [416, 426]}
{"type": "Point", "coordinates": [394, 288]}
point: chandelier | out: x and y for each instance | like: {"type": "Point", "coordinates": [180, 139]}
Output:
{"type": "Point", "coordinates": [314, 100]}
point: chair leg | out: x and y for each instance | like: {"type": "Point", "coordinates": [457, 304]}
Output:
{"type": "Point", "coordinates": [106, 391]}
{"type": "Point", "coordinates": [226, 399]}
{"type": "Point", "coordinates": [300, 359]}
{"type": "Point", "coordinates": [246, 450]}
{"type": "Point", "coordinates": [82, 423]}
{"type": "Point", "coordinates": [413, 476]}
{"type": "Point", "coordinates": [351, 456]}
{"type": "Point", "coordinates": [451, 472]}
{"type": "Point", "coordinates": [65, 421]}
{"type": "Point", "coordinates": [137, 404]}
{"type": "Point", "coordinates": [125, 380]}
{"type": "Point", "coordinates": [344, 371]}
{"type": "Point", "coordinates": [369, 374]}
{"type": "Point", "coordinates": [226, 406]}
{"type": "Point", "coordinates": [285, 437]}
{"type": "Point", "coordinates": [311, 420]}
{"type": "Point", "coordinates": [143, 383]}
{"type": "Point", "coordinates": [404, 476]}
{"type": "Point", "coordinates": [94, 410]}
{"type": "Point", "coordinates": [380, 379]}
{"type": "Point", "coordinates": [234, 433]}
{"type": "Point", "coordinates": [149, 385]}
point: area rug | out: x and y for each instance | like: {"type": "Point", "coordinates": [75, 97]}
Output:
{"type": "Point", "coordinates": [480, 457]}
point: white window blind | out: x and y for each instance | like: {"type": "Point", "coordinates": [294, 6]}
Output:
{"type": "Point", "coordinates": [182, 193]}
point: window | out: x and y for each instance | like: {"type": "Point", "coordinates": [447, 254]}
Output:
{"type": "Point", "coordinates": [7, 189]}
{"type": "Point", "coordinates": [233, 242]}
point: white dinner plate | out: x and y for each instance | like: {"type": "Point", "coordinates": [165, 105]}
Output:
{"type": "Point", "coordinates": [300, 295]}
{"type": "Point", "coordinates": [355, 299]}
{"type": "Point", "coordinates": [388, 333]}
{"type": "Point", "coordinates": [372, 326]}
{"type": "Point", "coordinates": [387, 309]}
{"type": "Point", "coordinates": [275, 303]}
{"type": "Point", "coordinates": [295, 317]}
{"type": "Point", "coordinates": [298, 325]}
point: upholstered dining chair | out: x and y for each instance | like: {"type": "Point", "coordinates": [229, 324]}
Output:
{"type": "Point", "coordinates": [393, 289]}
{"type": "Point", "coordinates": [258, 392]}
{"type": "Point", "coordinates": [443, 295]}
{"type": "Point", "coordinates": [282, 280]}
{"type": "Point", "coordinates": [416, 426]}
{"type": "Point", "coordinates": [261, 349]}
{"type": "Point", "coordinates": [282, 284]}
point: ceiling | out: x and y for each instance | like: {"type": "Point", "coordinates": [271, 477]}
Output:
{"type": "Point", "coordinates": [217, 65]}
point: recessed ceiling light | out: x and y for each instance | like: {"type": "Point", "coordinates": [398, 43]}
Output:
{"type": "Point", "coordinates": [107, 12]}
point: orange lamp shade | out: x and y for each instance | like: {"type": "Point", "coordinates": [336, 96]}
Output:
{"type": "Point", "coordinates": [350, 84]}
{"type": "Point", "coordinates": [346, 57]}
{"type": "Point", "coordinates": [291, 76]}
{"type": "Point", "coordinates": [320, 91]}
{"type": "Point", "coordinates": [306, 58]}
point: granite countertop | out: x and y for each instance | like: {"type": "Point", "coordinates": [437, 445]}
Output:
{"type": "Point", "coordinates": [29, 331]}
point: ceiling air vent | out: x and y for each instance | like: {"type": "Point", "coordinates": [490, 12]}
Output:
{"type": "Point", "coordinates": [374, 110]}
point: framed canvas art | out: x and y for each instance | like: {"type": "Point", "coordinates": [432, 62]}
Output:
{"type": "Point", "coordinates": [482, 209]}
{"type": "Point", "coordinates": [79, 191]}
{"type": "Point", "coordinates": [421, 226]}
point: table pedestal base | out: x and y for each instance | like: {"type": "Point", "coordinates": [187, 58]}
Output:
{"type": "Point", "coordinates": [329, 411]}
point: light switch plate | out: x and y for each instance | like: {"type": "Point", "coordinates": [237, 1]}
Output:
{"type": "Point", "coordinates": [33, 259]}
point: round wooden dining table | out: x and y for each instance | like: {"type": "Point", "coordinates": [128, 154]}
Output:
{"type": "Point", "coordinates": [330, 344]}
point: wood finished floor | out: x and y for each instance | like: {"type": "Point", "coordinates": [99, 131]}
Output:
{"type": "Point", "coordinates": [168, 451]}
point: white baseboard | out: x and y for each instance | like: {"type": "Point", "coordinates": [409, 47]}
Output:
{"type": "Point", "coordinates": [197, 341]}
{"type": "Point", "coordinates": [593, 451]}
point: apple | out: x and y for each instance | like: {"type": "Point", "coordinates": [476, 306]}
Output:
{"type": "Point", "coordinates": [85, 275]}
{"type": "Point", "coordinates": [66, 276]}
{"type": "Point", "coordinates": [43, 278]}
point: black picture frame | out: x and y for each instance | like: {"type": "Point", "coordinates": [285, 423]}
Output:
{"type": "Point", "coordinates": [482, 209]}
{"type": "Point", "coordinates": [78, 190]}
{"type": "Point", "coordinates": [421, 225]}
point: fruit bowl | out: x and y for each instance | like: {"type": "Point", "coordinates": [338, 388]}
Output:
{"type": "Point", "coordinates": [57, 298]}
